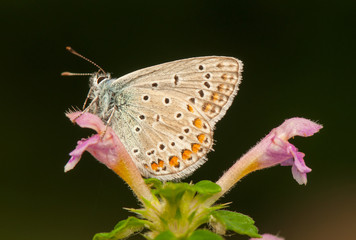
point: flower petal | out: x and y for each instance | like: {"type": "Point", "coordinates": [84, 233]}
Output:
{"type": "Point", "coordinates": [87, 120]}
{"type": "Point", "coordinates": [272, 150]}
{"type": "Point", "coordinates": [104, 148]}
{"type": "Point", "coordinates": [76, 154]}
{"type": "Point", "coordinates": [276, 149]}
{"type": "Point", "coordinates": [267, 236]}
{"type": "Point", "coordinates": [107, 148]}
{"type": "Point", "coordinates": [297, 127]}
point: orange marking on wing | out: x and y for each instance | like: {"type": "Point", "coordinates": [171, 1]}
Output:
{"type": "Point", "coordinates": [215, 97]}
{"type": "Point", "coordinates": [195, 147]}
{"type": "Point", "coordinates": [207, 107]}
{"type": "Point", "coordinates": [222, 88]}
{"type": "Point", "coordinates": [186, 154]}
{"type": "Point", "coordinates": [154, 166]}
{"type": "Point", "coordinates": [201, 137]}
{"type": "Point", "coordinates": [198, 123]}
{"type": "Point", "coordinates": [173, 161]}
{"type": "Point", "coordinates": [160, 163]}
{"type": "Point", "coordinates": [190, 108]}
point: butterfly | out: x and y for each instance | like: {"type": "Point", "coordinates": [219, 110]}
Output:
{"type": "Point", "coordinates": [165, 115]}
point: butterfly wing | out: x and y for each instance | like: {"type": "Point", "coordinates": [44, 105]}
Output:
{"type": "Point", "coordinates": [167, 120]}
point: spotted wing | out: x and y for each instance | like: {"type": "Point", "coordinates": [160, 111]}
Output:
{"type": "Point", "coordinates": [167, 122]}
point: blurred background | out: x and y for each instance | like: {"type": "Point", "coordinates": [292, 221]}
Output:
{"type": "Point", "coordinates": [299, 60]}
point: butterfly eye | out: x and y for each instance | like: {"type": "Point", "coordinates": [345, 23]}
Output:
{"type": "Point", "coordinates": [100, 79]}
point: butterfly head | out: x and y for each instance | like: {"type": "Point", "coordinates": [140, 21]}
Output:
{"type": "Point", "coordinates": [98, 79]}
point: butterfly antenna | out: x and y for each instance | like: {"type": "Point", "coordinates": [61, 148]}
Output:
{"type": "Point", "coordinates": [71, 50]}
{"type": "Point", "coordinates": [75, 74]}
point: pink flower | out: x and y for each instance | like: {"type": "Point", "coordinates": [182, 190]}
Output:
{"type": "Point", "coordinates": [107, 148]}
{"type": "Point", "coordinates": [272, 150]}
{"type": "Point", "coordinates": [267, 236]}
{"type": "Point", "coordinates": [104, 148]}
{"type": "Point", "coordinates": [277, 150]}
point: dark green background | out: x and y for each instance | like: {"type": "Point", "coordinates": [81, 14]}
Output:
{"type": "Point", "coordinates": [299, 60]}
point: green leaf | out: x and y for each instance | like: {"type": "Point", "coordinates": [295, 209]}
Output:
{"type": "Point", "coordinates": [204, 235]}
{"type": "Point", "coordinates": [207, 187]}
{"type": "Point", "coordinates": [191, 216]}
{"type": "Point", "coordinates": [237, 222]}
{"type": "Point", "coordinates": [122, 230]}
{"type": "Point", "coordinates": [166, 235]}
{"type": "Point", "coordinates": [173, 192]}
{"type": "Point", "coordinates": [147, 203]}
{"type": "Point", "coordinates": [130, 222]}
{"type": "Point", "coordinates": [153, 183]}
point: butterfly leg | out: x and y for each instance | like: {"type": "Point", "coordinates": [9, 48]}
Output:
{"type": "Point", "coordinates": [86, 100]}
{"type": "Point", "coordinates": [87, 108]}
{"type": "Point", "coordinates": [108, 122]}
